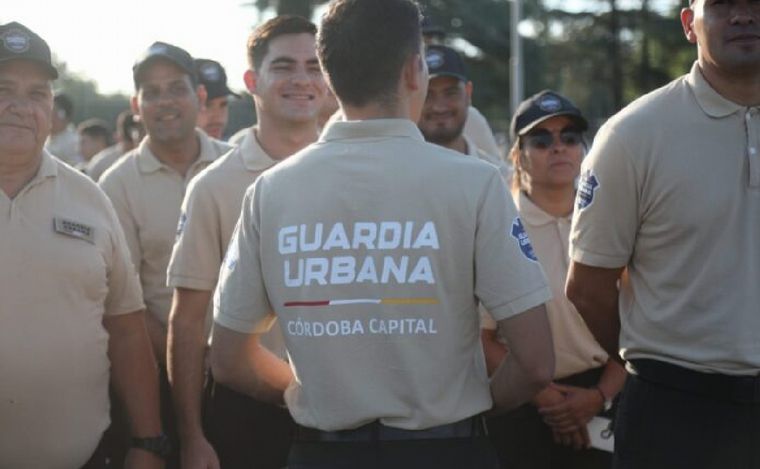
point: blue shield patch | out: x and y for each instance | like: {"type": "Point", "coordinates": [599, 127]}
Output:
{"type": "Point", "coordinates": [523, 241]}
{"type": "Point", "coordinates": [586, 188]}
{"type": "Point", "coordinates": [181, 224]}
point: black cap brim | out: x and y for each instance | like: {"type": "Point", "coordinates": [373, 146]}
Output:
{"type": "Point", "coordinates": [581, 121]}
{"type": "Point", "coordinates": [49, 69]}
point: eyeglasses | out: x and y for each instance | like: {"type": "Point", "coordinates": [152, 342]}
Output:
{"type": "Point", "coordinates": [543, 139]}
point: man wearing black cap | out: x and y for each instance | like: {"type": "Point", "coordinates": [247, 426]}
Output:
{"type": "Point", "coordinates": [665, 253]}
{"type": "Point", "coordinates": [146, 186]}
{"type": "Point", "coordinates": [448, 99]}
{"type": "Point", "coordinates": [215, 113]}
{"type": "Point", "coordinates": [71, 303]}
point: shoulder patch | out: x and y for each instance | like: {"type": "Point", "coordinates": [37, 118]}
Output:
{"type": "Point", "coordinates": [181, 224]}
{"type": "Point", "coordinates": [523, 241]}
{"type": "Point", "coordinates": [587, 185]}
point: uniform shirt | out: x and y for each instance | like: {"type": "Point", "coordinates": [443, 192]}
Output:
{"type": "Point", "coordinates": [671, 190]}
{"type": "Point", "coordinates": [209, 213]}
{"type": "Point", "coordinates": [373, 247]}
{"type": "Point", "coordinates": [476, 129]}
{"type": "Point", "coordinates": [65, 146]}
{"type": "Point", "coordinates": [103, 160]}
{"type": "Point", "coordinates": [575, 349]}
{"type": "Point", "coordinates": [474, 150]}
{"type": "Point", "coordinates": [64, 264]}
{"type": "Point", "coordinates": [147, 196]}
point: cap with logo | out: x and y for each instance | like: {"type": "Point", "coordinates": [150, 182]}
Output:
{"type": "Point", "coordinates": [540, 107]}
{"type": "Point", "coordinates": [20, 42]}
{"type": "Point", "coordinates": [161, 50]}
{"type": "Point", "coordinates": [212, 76]}
{"type": "Point", "coordinates": [443, 61]}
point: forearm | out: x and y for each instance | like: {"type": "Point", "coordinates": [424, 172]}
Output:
{"type": "Point", "coordinates": [240, 362]}
{"type": "Point", "coordinates": [186, 359]}
{"type": "Point", "coordinates": [493, 350]}
{"type": "Point", "coordinates": [133, 372]}
{"type": "Point", "coordinates": [157, 334]}
{"type": "Point", "coordinates": [594, 292]}
{"type": "Point", "coordinates": [529, 365]}
{"type": "Point", "coordinates": [612, 379]}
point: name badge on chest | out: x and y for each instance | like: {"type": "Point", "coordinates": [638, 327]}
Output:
{"type": "Point", "coordinates": [74, 229]}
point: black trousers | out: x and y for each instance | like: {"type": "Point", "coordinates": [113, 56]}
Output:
{"type": "Point", "coordinates": [524, 441]}
{"type": "Point", "coordinates": [246, 433]}
{"type": "Point", "coordinates": [453, 453]}
{"type": "Point", "coordinates": [663, 425]}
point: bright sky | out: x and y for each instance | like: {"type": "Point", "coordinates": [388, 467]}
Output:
{"type": "Point", "coordinates": [100, 39]}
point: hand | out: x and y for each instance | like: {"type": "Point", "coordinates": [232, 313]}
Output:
{"type": "Point", "coordinates": [578, 439]}
{"type": "Point", "coordinates": [198, 454]}
{"type": "Point", "coordinates": [141, 459]}
{"type": "Point", "coordinates": [572, 415]}
{"type": "Point", "coordinates": [548, 397]}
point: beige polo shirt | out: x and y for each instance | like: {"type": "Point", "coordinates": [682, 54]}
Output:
{"type": "Point", "coordinates": [372, 248]}
{"type": "Point", "coordinates": [64, 264]}
{"type": "Point", "coordinates": [147, 196]}
{"type": "Point", "coordinates": [671, 190]}
{"type": "Point", "coordinates": [474, 150]}
{"type": "Point", "coordinates": [575, 349]}
{"type": "Point", "coordinates": [476, 129]}
{"type": "Point", "coordinates": [103, 160]}
{"type": "Point", "coordinates": [210, 212]}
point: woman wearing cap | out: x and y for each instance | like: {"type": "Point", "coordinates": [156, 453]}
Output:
{"type": "Point", "coordinates": [551, 431]}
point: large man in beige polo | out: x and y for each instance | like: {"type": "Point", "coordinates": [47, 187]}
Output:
{"type": "Point", "coordinates": [148, 184]}
{"type": "Point", "coordinates": [70, 299]}
{"type": "Point", "coordinates": [256, 434]}
{"type": "Point", "coordinates": [670, 195]}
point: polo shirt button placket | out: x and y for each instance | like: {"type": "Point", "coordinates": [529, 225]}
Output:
{"type": "Point", "coordinates": [752, 148]}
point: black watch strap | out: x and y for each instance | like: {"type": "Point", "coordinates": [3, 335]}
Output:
{"type": "Point", "coordinates": [158, 445]}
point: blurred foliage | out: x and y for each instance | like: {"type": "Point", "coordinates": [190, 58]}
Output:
{"type": "Point", "coordinates": [602, 55]}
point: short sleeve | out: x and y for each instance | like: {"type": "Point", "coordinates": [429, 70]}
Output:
{"type": "Point", "coordinates": [240, 300]}
{"type": "Point", "coordinates": [197, 252]}
{"type": "Point", "coordinates": [124, 292]}
{"type": "Point", "coordinates": [508, 278]}
{"type": "Point", "coordinates": [605, 220]}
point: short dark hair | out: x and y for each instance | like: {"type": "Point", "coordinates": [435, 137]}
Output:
{"type": "Point", "coordinates": [64, 103]}
{"type": "Point", "coordinates": [95, 128]}
{"type": "Point", "coordinates": [259, 39]}
{"type": "Point", "coordinates": [362, 46]}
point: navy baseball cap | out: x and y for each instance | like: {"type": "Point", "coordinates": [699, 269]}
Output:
{"type": "Point", "coordinates": [212, 76]}
{"type": "Point", "coordinates": [161, 50]}
{"type": "Point", "coordinates": [444, 61]}
{"type": "Point", "coordinates": [20, 42]}
{"type": "Point", "coordinates": [540, 107]}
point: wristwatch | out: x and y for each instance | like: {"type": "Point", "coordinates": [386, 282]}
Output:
{"type": "Point", "coordinates": [607, 401]}
{"type": "Point", "coordinates": [158, 445]}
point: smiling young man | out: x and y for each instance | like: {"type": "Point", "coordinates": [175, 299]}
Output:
{"type": "Point", "coordinates": [373, 262]}
{"type": "Point", "coordinates": [71, 309]}
{"type": "Point", "coordinates": [446, 106]}
{"type": "Point", "coordinates": [288, 89]}
{"type": "Point", "coordinates": [666, 258]}
{"type": "Point", "coordinates": [147, 185]}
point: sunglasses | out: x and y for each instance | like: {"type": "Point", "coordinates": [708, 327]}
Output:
{"type": "Point", "coordinates": [543, 139]}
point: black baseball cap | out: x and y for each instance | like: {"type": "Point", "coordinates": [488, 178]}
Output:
{"type": "Point", "coordinates": [541, 106]}
{"type": "Point", "coordinates": [444, 61]}
{"type": "Point", "coordinates": [212, 76]}
{"type": "Point", "coordinates": [161, 50]}
{"type": "Point", "coordinates": [20, 42]}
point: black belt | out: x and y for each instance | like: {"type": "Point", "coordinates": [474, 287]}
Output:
{"type": "Point", "coordinates": [376, 431]}
{"type": "Point", "coordinates": [739, 389]}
